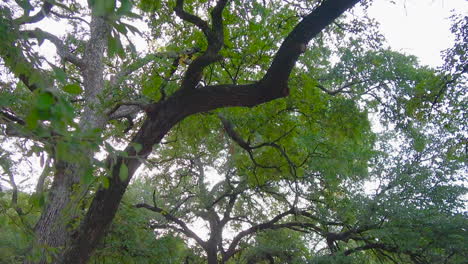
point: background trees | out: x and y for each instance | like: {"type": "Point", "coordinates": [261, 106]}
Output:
{"type": "Point", "coordinates": [310, 78]}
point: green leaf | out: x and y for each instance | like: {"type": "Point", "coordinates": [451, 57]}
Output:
{"type": "Point", "coordinates": [63, 151]}
{"type": "Point", "coordinates": [121, 28]}
{"type": "Point", "coordinates": [125, 7]}
{"type": "Point", "coordinates": [102, 7]}
{"type": "Point", "coordinates": [105, 182]}
{"type": "Point", "coordinates": [87, 177]}
{"type": "Point", "coordinates": [133, 29]}
{"type": "Point", "coordinates": [37, 199]}
{"type": "Point", "coordinates": [60, 74]}
{"type": "Point", "coordinates": [115, 46]}
{"type": "Point", "coordinates": [31, 119]}
{"type": "Point", "coordinates": [138, 147]}
{"type": "Point", "coordinates": [73, 88]}
{"type": "Point", "coordinates": [45, 100]}
{"type": "Point", "coordinates": [123, 172]}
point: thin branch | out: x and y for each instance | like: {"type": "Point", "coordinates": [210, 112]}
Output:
{"type": "Point", "coordinates": [62, 50]}
{"type": "Point", "coordinates": [12, 117]}
{"type": "Point", "coordinates": [115, 114]}
{"type": "Point", "coordinates": [342, 88]}
{"type": "Point", "coordinates": [120, 76]}
{"type": "Point", "coordinates": [185, 229]}
{"type": "Point", "coordinates": [197, 21]}
{"type": "Point", "coordinates": [41, 14]}
{"type": "Point", "coordinates": [229, 128]}
{"type": "Point", "coordinates": [69, 17]}
{"type": "Point", "coordinates": [254, 229]}
{"type": "Point", "coordinates": [43, 176]}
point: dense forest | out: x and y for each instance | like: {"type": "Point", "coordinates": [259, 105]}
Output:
{"type": "Point", "coordinates": [226, 131]}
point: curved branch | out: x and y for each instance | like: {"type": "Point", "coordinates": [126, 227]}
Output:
{"type": "Point", "coordinates": [41, 14]}
{"type": "Point", "coordinates": [254, 229]}
{"type": "Point", "coordinates": [215, 37]}
{"type": "Point", "coordinates": [62, 51]}
{"type": "Point", "coordinates": [185, 229]}
{"type": "Point", "coordinates": [197, 21]}
{"type": "Point", "coordinates": [342, 88]}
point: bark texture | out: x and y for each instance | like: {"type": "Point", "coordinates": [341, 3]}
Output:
{"type": "Point", "coordinates": [55, 226]}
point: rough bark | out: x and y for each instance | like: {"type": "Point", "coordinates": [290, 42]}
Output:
{"type": "Point", "coordinates": [54, 228]}
{"type": "Point", "coordinates": [161, 117]}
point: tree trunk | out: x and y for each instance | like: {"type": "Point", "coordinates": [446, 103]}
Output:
{"type": "Point", "coordinates": [56, 225]}
{"type": "Point", "coordinates": [52, 230]}
{"type": "Point", "coordinates": [212, 257]}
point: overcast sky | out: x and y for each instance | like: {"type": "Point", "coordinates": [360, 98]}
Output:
{"type": "Point", "coordinates": [418, 27]}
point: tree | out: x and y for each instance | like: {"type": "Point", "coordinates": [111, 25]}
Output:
{"type": "Point", "coordinates": [100, 95]}
{"type": "Point", "coordinates": [402, 222]}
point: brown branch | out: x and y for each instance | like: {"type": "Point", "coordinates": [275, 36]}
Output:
{"type": "Point", "coordinates": [62, 50]}
{"type": "Point", "coordinates": [162, 87]}
{"type": "Point", "coordinates": [115, 114]}
{"type": "Point", "coordinates": [296, 42]}
{"type": "Point", "coordinates": [12, 117]}
{"type": "Point", "coordinates": [41, 14]}
{"type": "Point", "coordinates": [69, 17]}
{"type": "Point", "coordinates": [341, 89]}
{"type": "Point", "coordinates": [254, 229]}
{"type": "Point", "coordinates": [120, 76]}
{"type": "Point", "coordinates": [185, 229]}
{"type": "Point", "coordinates": [43, 176]}
{"type": "Point", "coordinates": [229, 128]}
{"type": "Point", "coordinates": [197, 21]}
{"type": "Point", "coordinates": [215, 37]}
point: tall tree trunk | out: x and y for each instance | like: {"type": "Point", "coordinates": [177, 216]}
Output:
{"type": "Point", "coordinates": [55, 226]}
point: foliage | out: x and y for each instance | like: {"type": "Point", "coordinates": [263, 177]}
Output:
{"type": "Point", "coordinates": [295, 106]}
{"type": "Point", "coordinates": [16, 226]}
{"type": "Point", "coordinates": [131, 240]}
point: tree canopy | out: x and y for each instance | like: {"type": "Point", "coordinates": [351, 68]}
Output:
{"type": "Point", "coordinates": [245, 132]}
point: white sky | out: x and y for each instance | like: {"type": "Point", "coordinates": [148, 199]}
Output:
{"type": "Point", "coordinates": [418, 27]}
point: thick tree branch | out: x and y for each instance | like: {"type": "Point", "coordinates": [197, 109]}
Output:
{"type": "Point", "coordinates": [215, 37]}
{"type": "Point", "coordinates": [296, 42]}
